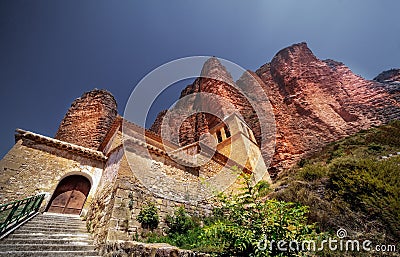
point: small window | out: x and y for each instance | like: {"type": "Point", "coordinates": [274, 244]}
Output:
{"type": "Point", "coordinates": [248, 132]}
{"type": "Point", "coordinates": [227, 132]}
{"type": "Point", "coordinates": [244, 129]}
{"type": "Point", "coordinates": [219, 136]}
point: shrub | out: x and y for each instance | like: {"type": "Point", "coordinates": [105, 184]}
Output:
{"type": "Point", "coordinates": [375, 147]}
{"type": "Point", "coordinates": [248, 220]}
{"type": "Point", "coordinates": [312, 172]}
{"type": "Point", "coordinates": [371, 187]}
{"type": "Point", "coordinates": [180, 222]}
{"type": "Point", "coordinates": [148, 216]}
{"type": "Point", "coordinates": [240, 225]}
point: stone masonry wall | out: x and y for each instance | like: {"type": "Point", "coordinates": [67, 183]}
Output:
{"type": "Point", "coordinates": [132, 248]}
{"type": "Point", "coordinates": [99, 214]}
{"type": "Point", "coordinates": [131, 196]}
{"type": "Point", "coordinates": [121, 196]}
{"type": "Point", "coordinates": [30, 168]}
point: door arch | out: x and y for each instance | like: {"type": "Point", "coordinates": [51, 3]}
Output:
{"type": "Point", "coordinates": [70, 195]}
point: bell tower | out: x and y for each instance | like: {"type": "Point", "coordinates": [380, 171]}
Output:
{"type": "Point", "coordinates": [236, 141]}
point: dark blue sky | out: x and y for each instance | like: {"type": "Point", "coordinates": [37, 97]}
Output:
{"type": "Point", "coordinates": [53, 51]}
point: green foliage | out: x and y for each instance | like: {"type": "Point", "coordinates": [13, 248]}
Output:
{"type": "Point", "coordinates": [312, 172]}
{"type": "Point", "coordinates": [240, 225]}
{"type": "Point", "coordinates": [131, 201]}
{"type": "Point", "coordinates": [247, 220]}
{"type": "Point", "coordinates": [349, 185]}
{"type": "Point", "coordinates": [89, 226]}
{"type": "Point", "coordinates": [345, 185]}
{"type": "Point", "coordinates": [375, 147]}
{"type": "Point", "coordinates": [385, 135]}
{"type": "Point", "coordinates": [148, 216]}
{"type": "Point", "coordinates": [337, 152]}
{"type": "Point", "coordinates": [180, 222]}
{"type": "Point", "coordinates": [371, 187]}
{"type": "Point", "coordinates": [183, 230]}
{"type": "Point", "coordinates": [302, 163]}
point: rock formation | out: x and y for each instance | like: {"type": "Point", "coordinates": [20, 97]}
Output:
{"type": "Point", "coordinates": [389, 76]}
{"type": "Point", "coordinates": [88, 119]}
{"type": "Point", "coordinates": [314, 102]}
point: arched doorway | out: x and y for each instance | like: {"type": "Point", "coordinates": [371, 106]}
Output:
{"type": "Point", "coordinates": [70, 195]}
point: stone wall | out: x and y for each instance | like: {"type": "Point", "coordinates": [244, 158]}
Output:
{"type": "Point", "coordinates": [131, 196]}
{"type": "Point", "coordinates": [121, 196]}
{"type": "Point", "coordinates": [99, 215]}
{"type": "Point", "coordinates": [137, 249]}
{"type": "Point", "coordinates": [88, 119]}
{"type": "Point", "coordinates": [30, 168]}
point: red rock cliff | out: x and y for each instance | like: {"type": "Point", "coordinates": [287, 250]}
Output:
{"type": "Point", "coordinates": [88, 119]}
{"type": "Point", "coordinates": [314, 102]}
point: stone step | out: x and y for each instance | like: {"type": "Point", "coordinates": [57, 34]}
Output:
{"type": "Point", "coordinates": [51, 230]}
{"type": "Point", "coordinates": [45, 247]}
{"type": "Point", "coordinates": [30, 225]}
{"type": "Point", "coordinates": [57, 219]}
{"type": "Point", "coordinates": [77, 236]}
{"type": "Point", "coordinates": [50, 253]}
{"type": "Point", "coordinates": [52, 241]}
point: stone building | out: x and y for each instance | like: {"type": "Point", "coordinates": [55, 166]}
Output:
{"type": "Point", "coordinates": [105, 168]}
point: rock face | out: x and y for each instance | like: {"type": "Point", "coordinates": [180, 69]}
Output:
{"type": "Point", "coordinates": [389, 76]}
{"type": "Point", "coordinates": [314, 102]}
{"type": "Point", "coordinates": [88, 119]}
{"type": "Point", "coordinates": [220, 98]}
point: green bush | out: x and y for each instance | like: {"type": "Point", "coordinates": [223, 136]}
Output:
{"type": "Point", "coordinates": [371, 187]}
{"type": "Point", "coordinates": [348, 184]}
{"type": "Point", "coordinates": [180, 222]}
{"type": "Point", "coordinates": [375, 147]}
{"type": "Point", "coordinates": [312, 172]}
{"type": "Point", "coordinates": [248, 220]}
{"type": "Point", "coordinates": [148, 216]}
{"type": "Point", "coordinates": [240, 225]}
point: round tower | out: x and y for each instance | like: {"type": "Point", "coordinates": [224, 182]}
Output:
{"type": "Point", "coordinates": [88, 119]}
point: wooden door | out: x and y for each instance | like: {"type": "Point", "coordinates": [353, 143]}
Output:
{"type": "Point", "coordinates": [70, 195]}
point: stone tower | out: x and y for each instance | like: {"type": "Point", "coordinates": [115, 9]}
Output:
{"type": "Point", "coordinates": [88, 119]}
{"type": "Point", "coordinates": [236, 140]}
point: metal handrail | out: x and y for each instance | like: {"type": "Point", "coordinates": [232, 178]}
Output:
{"type": "Point", "coordinates": [14, 213]}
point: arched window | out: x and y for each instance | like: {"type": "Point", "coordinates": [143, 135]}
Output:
{"type": "Point", "coordinates": [219, 136]}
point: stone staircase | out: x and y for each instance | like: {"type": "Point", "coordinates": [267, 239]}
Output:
{"type": "Point", "coordinates": [49, 235]}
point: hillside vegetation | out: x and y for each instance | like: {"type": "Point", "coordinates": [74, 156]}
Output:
{"type": "Point", "coordinates": [352, 184]}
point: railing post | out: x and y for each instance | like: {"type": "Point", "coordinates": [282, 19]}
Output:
{"type": "Point", "coordinates": [23, 211]}
{"type": "Point", "coordinates": [12, 212]}
{"type": "Point", "coordinates": [38, 202]}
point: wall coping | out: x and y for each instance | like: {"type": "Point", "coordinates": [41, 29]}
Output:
{"type": "Point", "coordinates": [77, 149]}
